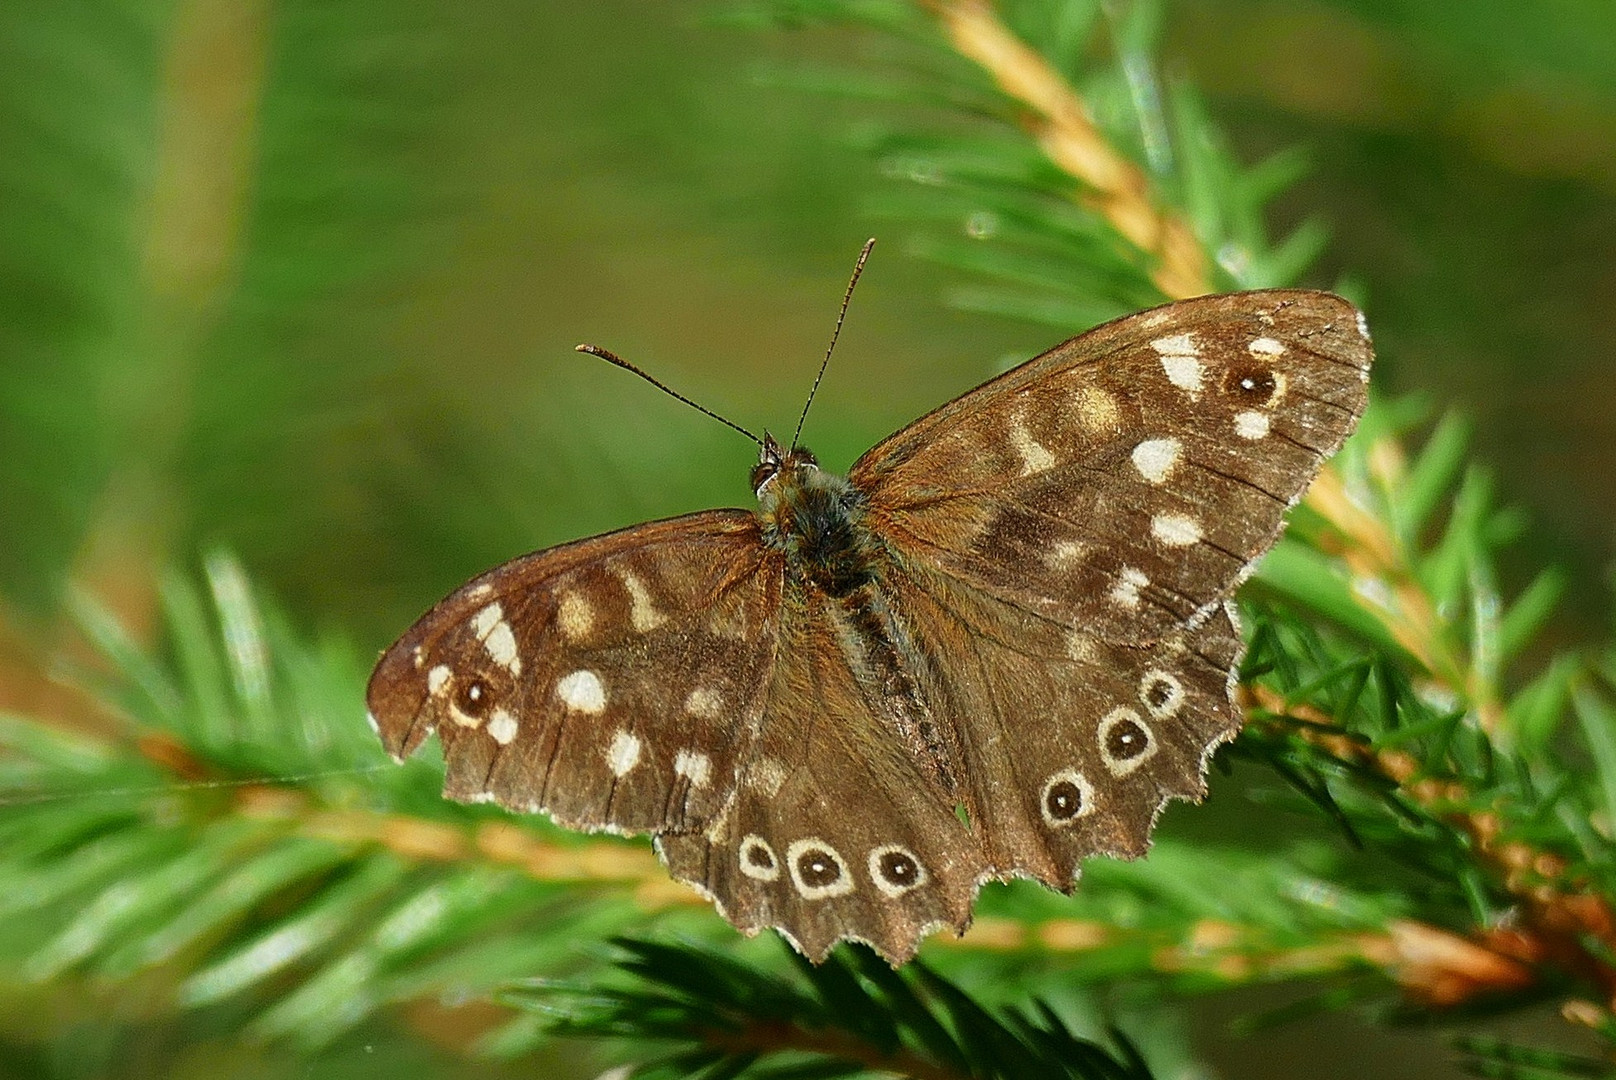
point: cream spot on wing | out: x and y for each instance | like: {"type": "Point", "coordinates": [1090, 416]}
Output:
{"type": "Point", "coordinates": [694, 766]}
{"type": "Point", "coordinates": [1251, 425]}
{"type": "Point", "coordinates": [574, 616]}
{"type": "Point", "coordinates": [437, 679]}
{"type": "Point", "coordinates": [817, 869]}
{"type": "Point", "coordinates": [1181, 360]}
{"type": "Point", "coordinates": [1125, 593]}
{"type": "Point", "coordinates": [642, 612]}
{"type": "Point", "coordinates": [758, 859]}
{"type": "Point", "coordinates": [486, 619]}
{"type": "Point", "coordinates": [480, 592]}
{"type": "Point", "coordinates": [502, 727]}
{"type": "Point", "coordinates": [1265, 346]}
{"type": "Point", "coordinates": [583, 691]}
{"type": "Point", "coordinates": [501, 645]}
{"type": "Point", "coordinates": [1155, 458]}
{"type": "Point", "coordinates": [370, 718]}
{"type": "Point", "coordinates": [1097, 410]}
{"type": "Point", "coordinates": [623, 754]}
{"type": "Point", "coordinates": [767, 776]}
{"type": "Point", "coordinates": [495, 632]}
{"type": "Point", "coordinates": [704, 703]}
{"type": "Point", "coordinates": [1363, 326]}
{"type": "Point", "coordinates": [1176, 530]}
{"type": "Point", "coordinates": [1183, 372]}
{"type": "Point", "coordinates": [1034, 457]}
{"type": "Point", "coordinates": [1156, 318]}
{"type": "Point", "coordinates": [1083, 647]}
{"type": "Point", "coordinates": [1063, 553]}
{"type": "Point", "coordinates": [419, 654]}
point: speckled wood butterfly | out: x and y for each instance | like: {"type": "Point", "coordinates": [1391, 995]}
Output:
{"type": "Point", "coordinates": [998, 646]}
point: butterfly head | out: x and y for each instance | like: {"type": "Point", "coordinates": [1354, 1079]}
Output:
{"type": "Point", "coordinates": [774, 463]}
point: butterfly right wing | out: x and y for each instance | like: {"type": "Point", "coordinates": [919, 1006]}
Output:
{"type": "Point", "coordinates": [614, 683]}
{"type": "Point", "coordinates": [1070, 745]}
{"type": "Point", "coordinates": [1126, 481]}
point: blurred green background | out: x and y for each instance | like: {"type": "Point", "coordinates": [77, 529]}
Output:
{"type": "Point", "coordinates": [303, 278]}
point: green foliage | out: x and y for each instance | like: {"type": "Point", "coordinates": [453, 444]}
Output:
{"type": "Point", "coordinates": [849, 1015]}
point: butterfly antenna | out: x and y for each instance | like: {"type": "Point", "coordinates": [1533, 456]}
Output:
{"type": "Point", "coordinates": [612, 358]}
{"type": "Point", "coordinates": [847, 297]}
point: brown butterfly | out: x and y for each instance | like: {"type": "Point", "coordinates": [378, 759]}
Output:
{"type": "Point", "coordinates": [998, 646]}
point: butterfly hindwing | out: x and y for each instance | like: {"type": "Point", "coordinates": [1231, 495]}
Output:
{"type": "Point", "coordinates": [1127, 480]}
{"type": "Point", "coordinates": [1070, 745]}
{"type": "Point", "coordinates": [614, 683]}
{"type": "Point", "coordinates": [836, 830]}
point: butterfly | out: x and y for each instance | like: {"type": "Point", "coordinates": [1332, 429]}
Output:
{"type": "Point", "coordinates": [999, 645]}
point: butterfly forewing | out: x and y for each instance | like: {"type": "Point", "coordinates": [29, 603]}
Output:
{"type": "Point", "coordinates": [614, 683]}
{"type": "Point", "coordinates": [837, 830]}
{"type": "Point", "coordinates": [1126, 480]}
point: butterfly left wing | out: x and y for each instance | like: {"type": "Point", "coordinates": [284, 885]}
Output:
{"type": "Point", "coordinates": [836, 830]}
{"type": "Point", "coordinates": [614, 683]}
{"type": "Point", "coordinates": [1126, 481]}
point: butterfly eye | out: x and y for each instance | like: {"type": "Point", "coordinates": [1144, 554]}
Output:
{"type": "Point", "coordinates": [762, 474]}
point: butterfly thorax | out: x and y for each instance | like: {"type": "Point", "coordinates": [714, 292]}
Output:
{"type": "Point", "coordinates": [816, 519]}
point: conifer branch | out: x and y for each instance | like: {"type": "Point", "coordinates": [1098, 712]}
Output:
{"type": "Point", "coordinates": [1059, 120]}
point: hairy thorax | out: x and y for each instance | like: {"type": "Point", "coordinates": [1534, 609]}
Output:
{"type": "Point", "coordinates": [817, 519]}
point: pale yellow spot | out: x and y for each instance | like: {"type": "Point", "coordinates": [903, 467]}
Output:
{"type": "Point", "coordinates": [437, 679]}
{"type": "Point", "coordinates": [1265, 346]}
{"type": "Point", "coordinates": [704, 703]}
{"type": "Point", "coordinates": [642, 612]}
{"type": "Point", "coordinates": [1063, 553]}
{"type": "Point", "coordinates": [767, 776]}
{"type": "Point", "coordinates": [1034, 457]}
{"type": "Point", "coordinates": [574, 616]}
{"type": "Point", "coordinates": [1176, 530]}
{"type": "Point", "coordinates": [1251, 425]}
{"type": "Point", "coordinates": [623, 754]}
{"type": "Point", "coordinates": [1097, 410]}
{"type": "Point", "coordinates": [1082, 647]}
{"type": "Point", "coordinates": [693, 766]}
{"type": "Point", "coordinates": [583, 691]}
{"type": "Point", "coordinates": [1155, 458]}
